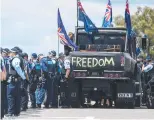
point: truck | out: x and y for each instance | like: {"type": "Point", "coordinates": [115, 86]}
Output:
{"type": "Point", "coordinates": [104, 68]}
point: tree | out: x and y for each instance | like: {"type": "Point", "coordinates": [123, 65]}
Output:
{"type": "Point", "coordinates": [142, 22]}
{"type": "Point", "coordinates": [119, 20]}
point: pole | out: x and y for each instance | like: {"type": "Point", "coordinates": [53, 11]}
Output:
{"type": "Point", "coordinates": [58, 45]}
{"type": "Point", "coordinates": [77, 13]}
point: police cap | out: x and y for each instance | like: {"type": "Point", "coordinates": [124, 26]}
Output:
{"type": "Point", "coordinates": [19, 50]}
{"type": "Point", "coordinates": [14, 50]}
{"type": "Point", "coordinates": [53, 53]}
{"type": "Point", "coordinates": [40, 55]}
{"type": "Point", "coordinates": [61, 54]}
{"type": "Point", "coordinates": [6, 50]}
{"type": "Point", "coordinates": [25, 55]}
{"type": "Point", "coordinates": [34, 55]}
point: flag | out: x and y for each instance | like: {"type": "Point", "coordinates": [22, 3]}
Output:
{"type": "Point", "coordinates": [64, 39]}
{"type": "Point", "coordinates": [128, 19]}
{"type": "Point", "coordinates": [108, 16]}
{"type": "Point", "coordinates": [82, 16]}
{"type": "Point", "coordinates": [138, 51]}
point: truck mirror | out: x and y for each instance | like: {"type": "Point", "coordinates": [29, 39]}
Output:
{"type": "Point", "coordinates": [144, 43]}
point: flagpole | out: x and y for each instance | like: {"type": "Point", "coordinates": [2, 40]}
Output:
{"type": "Point", "coordinates": [77, 14]}
{"type": "Point", "coordinates": [58, 45]}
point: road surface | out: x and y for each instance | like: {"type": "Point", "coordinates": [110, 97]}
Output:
{"type": "Point", "coordinates": [86, 114]}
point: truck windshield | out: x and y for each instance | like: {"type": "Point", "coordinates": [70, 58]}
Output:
{"type": "Point", "coordinates": [102, 42]}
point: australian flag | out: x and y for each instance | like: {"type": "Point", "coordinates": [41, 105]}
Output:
{"type": "Point", "coordinates": [64, 39]}
{"type": "Point", "coordinates": [82, 16]}
{"type": "Point", "coordinates": [108, 16]}
{"type": "Point", "coordinates": [128, 19]}
{"type": "Point", "coordinates": [138, 51]}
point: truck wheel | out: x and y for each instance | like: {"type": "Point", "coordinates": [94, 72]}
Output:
{"type": "Point", "coordinates": [149, 100]}
{"type": "Point", "coordinates": [138, 101]}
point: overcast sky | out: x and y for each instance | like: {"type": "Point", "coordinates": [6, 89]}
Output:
{"type": "Point", "coordinates": [32, 24]}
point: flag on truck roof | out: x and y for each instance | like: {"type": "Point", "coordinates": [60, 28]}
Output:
{"type": "Point", "coordinates": [64, 39]}
{"type": "Point", "coordinates": [82, 16]}
{"type": "Point", "coordinates": [107, 22]}
{"type": "Point", "coordinates": [128, 19]}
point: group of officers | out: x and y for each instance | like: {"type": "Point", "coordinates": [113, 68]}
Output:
{"type": "Point", "coordinates": [37, 78]}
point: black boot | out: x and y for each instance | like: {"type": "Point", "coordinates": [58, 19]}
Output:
{"type": "Point", "coordinates": [38, 105]}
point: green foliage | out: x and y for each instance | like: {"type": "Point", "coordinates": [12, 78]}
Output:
{"type": "Point", "coordinates": [119, 20]}
{"type": "Point", "coordinates": [142, 22]}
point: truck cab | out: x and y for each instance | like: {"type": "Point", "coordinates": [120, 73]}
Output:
{"type": "Point", "coordinates": [104, 67]}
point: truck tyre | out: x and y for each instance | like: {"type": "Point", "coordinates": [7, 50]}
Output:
{"type": "Point", "coordinates": [149, 100]}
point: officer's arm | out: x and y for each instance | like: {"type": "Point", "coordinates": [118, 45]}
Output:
{"type": "Point", "coordinates": [147, 68]}
{"type": "Point", "coordinates": [16, 65]}
{"type": "Point", "coordinates": [67, 67]}
{"type": "Point", "coordinates": [2, 70]}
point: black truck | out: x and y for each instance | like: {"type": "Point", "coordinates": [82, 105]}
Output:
{"type": "Point", "coordinates": [105, 69]}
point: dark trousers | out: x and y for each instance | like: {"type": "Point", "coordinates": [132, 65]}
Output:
{"type": "Point", "coordinates": [14, 97]}
{"type": "Point", "coordinates": [24, 95]}
{"type": "Point", "coordinates": [48, 88]}
{"type": "Point", "coordinates": [55, 91]}
{"type": "Point", "coordinates": [3, 98]}
{"type": "Point", "coordinates": [48, 92]}
{"type": "Point", "coordinates": [64, 92]}
{"type": "Point", "coordinates": [32, 89]}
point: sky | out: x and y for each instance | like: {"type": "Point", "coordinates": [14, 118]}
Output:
{"type": "Point", "coordinates": [32, 24]}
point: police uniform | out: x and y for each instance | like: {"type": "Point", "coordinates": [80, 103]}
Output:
{"type": "Point", "coordinates": [24, 93]}
{"type": "Point", "coordinates": [3, 86]}
{"type": "Point", "coordinates": [35, 74]}
{"type": "Point", "coordinates": [67, 63]}
{"type": "Point", "coordinates": [55, 83]}
{"type": "Point", "coordinates": [7, 66]}
{"type": "Point", "coordinates": [149, 73]}
{"type": "Point", "coordinates": [65, 102]}
{"type": "Point", "coordinates": [49, 75]}
{"type": "Point", "coordinates": [13, 89]}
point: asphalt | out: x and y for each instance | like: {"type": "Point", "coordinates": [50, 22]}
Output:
{"type": "Point", "coordinates": [85, 114]}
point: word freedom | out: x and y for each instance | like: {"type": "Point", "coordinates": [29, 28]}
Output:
{"type": "Point", "coordinates": [92, 62]}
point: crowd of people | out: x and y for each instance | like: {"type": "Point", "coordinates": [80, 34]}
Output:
{"type": "Point", "coordinates": [36, 78]}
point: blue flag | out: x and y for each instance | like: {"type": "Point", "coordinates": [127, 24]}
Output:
{"type": "Point", "coordinates": [82, 16]}
{"type": "Point", "coordinates": [138, 51]}
{"type": "Point", "coordinates": [107, 22]}
{"type": "Point", "coordinates": [64, 39]}
{"type": "Point", "coordinates": [128, 20]}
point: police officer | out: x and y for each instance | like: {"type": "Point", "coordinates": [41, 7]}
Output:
{"type": "Point", "coordinates": [149, 66]}
{"type": "Point", "coordinates": [5, 54]}
{"type": "Point", "coordinates": [48, 66]}
{"type": "Point", "coordinates": [13, 92]}
{"type": "Point", "coordinates": [67, 67]}
{"type": "Point", "coordinates": [35, 74]}
{"type": "Point", "coordinates": [61, 68]}
{"type": "Point", "coordinates": [61, 71]}
{"type": "Point", "coordinates": [3, 84]}
{"type": "Point", "coordinates": [24, 93]}
{"type": "Point", "coordinates": [54, 78]}
{"type": "Point", "coordinates": [41, 85]}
